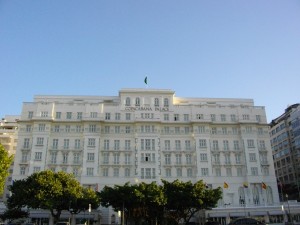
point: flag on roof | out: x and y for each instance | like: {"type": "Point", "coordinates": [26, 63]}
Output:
{"type": "Point", "coordinates": [225, 185]}
{"type": "Point", "coordinates": [263, 185]}
{"type": "Point", "coordinates": [145, 80]}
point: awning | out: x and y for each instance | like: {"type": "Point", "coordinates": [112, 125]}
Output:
{"type": "Point", "coordinates": [238, 214]}
{"type": "Point", "coordinates": [276, 212]}
{"type": "Point", "coordinates": [258, 213]}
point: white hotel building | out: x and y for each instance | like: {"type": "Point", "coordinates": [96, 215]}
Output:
{"type": "Point", "coordinates": [146, 135]}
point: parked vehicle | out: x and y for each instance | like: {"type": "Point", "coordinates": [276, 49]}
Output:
{"type": "Point", "coordinates": [246, 221]}
{"type": "Point", "coordinates": [62, 223]}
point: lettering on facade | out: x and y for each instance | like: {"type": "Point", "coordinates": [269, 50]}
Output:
{"type": "Point", "coordinates": [146, 108]}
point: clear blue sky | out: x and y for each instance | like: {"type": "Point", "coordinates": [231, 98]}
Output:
{"type": "Point", "coordinates": [218, 49]}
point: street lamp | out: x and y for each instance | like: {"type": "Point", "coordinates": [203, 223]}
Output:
{"type": "Point", "coordinates": [287, 200]}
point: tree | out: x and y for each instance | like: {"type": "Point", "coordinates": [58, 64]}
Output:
{"type": "Point", "coordinates": [184, 199]}
{"type": "Point", "coordinates": [13, 214]}
{"type": "Point", "coordinates": [50, 191]}
{"type": "Point", "coordinates": [5, 162]}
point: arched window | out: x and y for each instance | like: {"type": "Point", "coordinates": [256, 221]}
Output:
{"type": "Point", "coordinates": [166, 102]}
{"type": "Point", "coordinates": [127, 102]}
{"type": "Point", "coordinates": [269, 194]}
{"type": "Point", "coordinates": [137, 101]}
{"type": "Point", "coordinates": [156, 102]}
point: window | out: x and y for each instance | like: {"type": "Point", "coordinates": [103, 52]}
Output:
{"type": "Point", "coordinates": [213, 117]}
{"type": "Point", "coordinates": [105, 172]}
{"type": "Point", "coordinates": [167, 145]}
{"type": "Point", "coordinates": [68, 128]}
{"type": "Point", "coordinates": [177, 144]}
{"type": "Point", "coordinates": [227, 159]}
{"type": "Point", "coordinates": [22, 170]}
{"type": "Point", "coordinates": [260, 131]}
{"type": "Point", "coordinates": [234, 130]}
{"type": "Point", "coordinates": [225, 145]}
{"type": "Point", "coordinates": [44, 114]}
{"type": "Point", "coordinates": [248, 129]}
{"type": "Point", "coordinates": [214, 130]}
{"type": "Point", "coordinates": [117, 116]}
{"type": "Point", "coordinates": [24, 157]}
{"type": "Point", "coordinates": [66, 143]}
{"type": "Point", "coordinates": [89, 171]}
{"type": "Point", "coordinates": [26, 143]}
{"type": "Point", "coordinates": [38, 156]}
{"type": "Point", "coordinates": [218, 172]}
{"type": "Point", "coordinates": [189, 172]}
{"type": "Point", "coordinates": [93, 114]}
{"type": "Point", "coordinates": [90, 156]}
{"type": "Point", "coordinates": [254, 171]}
{"type": "Point", "coordinates": [36, 169]}
{"type": "Point", "coordinates": [236, 145]}
{"type": "Point", "coordinates": [178, 172]}
{"type": "Point", "coordinates": [55, 143]}
{"type": "Point", "coordinates": [107, 116]}
{"type": "Point", "coordinates": [238, 158]}
{"type": "Point", "coordinates": [239, 172]}
{"type": "Point", "coordinates": [105, 158]}
{"type": "Point", "coordinates": [186, 117]}
{"type": "Point", "coordinates": [258, 118]}
{"type": "Point", "coordinates": [137, 102]}
{"type": "Point", "coordinates": [127, 101]}
{"type": "Point", "coordinates": [166, 130]}
{"type": "Point", "coordinates": [56, 128]}
{"type": "Point", "coordinates": [252, 157]}
{"type": "Point", "coordinates": [177, 130]}
{"type": "Point", "coordinates": [224, 130]}
{"type": "Point", "coordinates": [203, 157]}
{"type": "Point", "coordinates": [75, 171]}
{"type": "Point", "coordinates": [128, 116]}
{"type": "Point", "coordinates": [91, 142]}
{"type": "Point", "coordinates": [228, 172]}
{"type": "Point", "coordinates": [178, 159]}
{"type": "Point", "coordinates": [167, 159]}
{"type": "Point", "coordinates": [204, 171]}
{"type": "Point", "coordinates": [202, 143]}
{"type": "Point", "coordinates": [250, 143]}
{"type": "Point", "coordinates": [116, 144]}
{"type": "Point", "coordinates": [65, 157]}
{"type": "Point", "coordinates": [188, 159]}
{"type": "Point", "coordinates": [116, 172]}
{"type": "Point", "coordinates": [127, 172]}
{"type": "Point", "coordinates": [127, 145]}
{"type": "Point", "coordinates": [168, 172]}
{"type": "Point", "coordinates": [116, 158]}
{"type": "Point", "coordinates": [106, 144]}
{"type": "Point", "coordinates": [187, 145]}
{"type": "Point", "coordinates": [199, 116]}
{"type": "Point", "coordinates": [156, 102]}
{"type": "Point", "coordinates": [246, 117]}
{"type": "Point", "coordinates": [40, 141]}
{"type": "Point", "coordinates": [223, 117]}
{"type": "Point", "coordinates": [176, 117]}
{"type": "Point", "coordinates": [78, 128]}
{"type": "Point", "coordinates": [57, 115]}
{"type": "Point", "coordinates": [107, 129]}
{"type": "Point", "coordinates": [117, 129]}
{"type": "Point", "coordinates": [166, 117]}
{"type": "Point", "coordinates": [262, 145]}
{"type": "Point", "coordinates": [127, 159]}
{"type": "Point", "coordinates": [77, 143]}
{"type": "Point", "coordinates": [69, 115]}
{"type": "Point", "coordinates": [215, 145]}
{"type": "Point", "coordinates": [79, 115]}
{"type": "Point", "coordinates": [166, 102]}
{"type": "Point", "coordinates": [28, 128]}
{"type": "Point", "coordinates": [201, 129]}
{"type": "Point", "coordinates": [76, 157]}
{"type": "Point", "coordinates": [30, 115]}
{"type": "Point", "coordinates": [42, 127]}
{"type": "Point", "coordinates": [233, 117]}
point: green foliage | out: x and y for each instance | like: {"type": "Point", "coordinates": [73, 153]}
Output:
{"type": "Point", "coordinates": [5, 162]}
{"type": "Point", "coordinates": [13, 214]}
{"type": "Point", "coordinates": [172, 201]}
{"type": "Point", "coordinates": [51, 191]}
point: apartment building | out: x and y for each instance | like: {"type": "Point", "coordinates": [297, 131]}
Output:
{"type": "Point", "coordinates": [8, 139]}
{"type": "Point", "coordinates": [285, 142]}
{"type": "Point", "coordinates": [145, 135]}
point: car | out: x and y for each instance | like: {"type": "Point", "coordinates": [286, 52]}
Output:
{"type": "Point", "coordinates": [246, 221]}
{"type": "Point", "coordinates": [62, 223]}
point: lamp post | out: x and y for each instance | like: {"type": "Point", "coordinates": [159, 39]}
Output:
{"type": "Point", "coordinates": [90, 209]}
{"type": "Point", "coordinates": [287, 200]}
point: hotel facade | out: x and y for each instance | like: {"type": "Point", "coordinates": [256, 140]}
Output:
{"type": "Point", "coordinates": [145, 135]}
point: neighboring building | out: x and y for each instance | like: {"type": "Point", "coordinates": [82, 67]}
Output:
{"type": "Point", "coordinates": [285, 142]}
{"type": "Point", "coordinates": [146, 135]}
{"type": "Point", "coordinates": [8, 138]}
